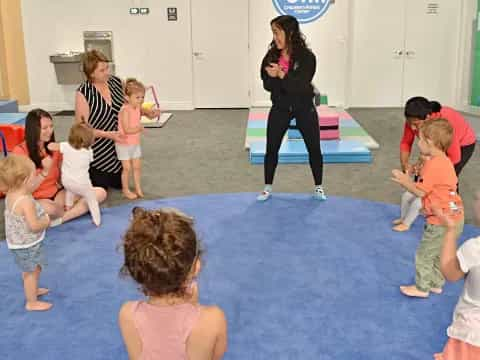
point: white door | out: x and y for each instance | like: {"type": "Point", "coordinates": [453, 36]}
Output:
{"type": "Point", "coordinates": [377, 53]}
{"type": "Point", "coordinates": [432, 34]}
{"type": "Point", "coordinates": [220, 53]}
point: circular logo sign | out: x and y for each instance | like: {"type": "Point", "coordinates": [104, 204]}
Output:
{"type": "Point", "coordinates": [304, 10]}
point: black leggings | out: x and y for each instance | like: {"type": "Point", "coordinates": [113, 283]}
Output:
{"type": "Point", "coordinates": [105, 180]}
{"type": "Point", "coordinates": [307, 123]}
{"type": "Point", "coordinates": [467, 152]}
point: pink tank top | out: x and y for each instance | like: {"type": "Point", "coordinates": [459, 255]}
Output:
{"type": "Point", "coordinates": [284, 64]}
{"type": "Point", "coordinates": [164, 330]}
{"type": "Point", "coordinates": [134, 116]}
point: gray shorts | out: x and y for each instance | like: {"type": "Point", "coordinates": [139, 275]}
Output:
{"type": "Point", "coordinates": [127, 152]}
{"type": "Point", "coordinates": [28, 259]}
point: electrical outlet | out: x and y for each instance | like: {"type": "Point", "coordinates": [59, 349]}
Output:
{"type": "Point", "coordinates": [144, 11]}
{"type": "Point", "coordinates": [134, 11]}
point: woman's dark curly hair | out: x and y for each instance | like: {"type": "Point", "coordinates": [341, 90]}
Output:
{"type": "Point", "coordinates": [160, 249]}
{"type": "Point", "coordinates": [294, 38]}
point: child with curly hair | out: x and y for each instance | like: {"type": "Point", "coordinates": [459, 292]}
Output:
{"type": "Point", "coordinates": [162, 254]}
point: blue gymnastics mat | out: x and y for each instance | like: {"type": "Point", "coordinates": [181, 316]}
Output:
{"type": "Point", "coordinates": [13, 118]}
{"type": "Point", "coordinates": [8, 106]}
{"type": "Point", "coordinates": [295, 152]}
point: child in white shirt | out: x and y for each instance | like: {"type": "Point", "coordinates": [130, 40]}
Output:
{"type": "Point", "coordinates": [77, 156]}
{"type": "Point", "coordinates": [464, 332]}
{"type": "Point", "coordinates": [411, 205]}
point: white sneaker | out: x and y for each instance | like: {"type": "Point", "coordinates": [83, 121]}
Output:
{"type": "Point", "coordinates": [266, 194]}
{"type": "Point", "coordinates": [319, 193]}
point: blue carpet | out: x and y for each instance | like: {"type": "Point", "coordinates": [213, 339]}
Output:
{"type": "Point", "coordinates": [298, 279]}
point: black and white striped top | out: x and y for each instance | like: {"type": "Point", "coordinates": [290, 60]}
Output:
{"type": "Point", "coordinates": [104, 117]}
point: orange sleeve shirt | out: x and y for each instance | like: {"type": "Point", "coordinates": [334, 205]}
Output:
{"type": "Point", "coordinates": [439, 183]}
{"type": "Point", "coordinates": [50, 185]}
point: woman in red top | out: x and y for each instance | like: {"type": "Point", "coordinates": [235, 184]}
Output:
{"type": "Point", "coordinates": [46, 185]}
{"type": "Point", "coordinates": [418, 109]}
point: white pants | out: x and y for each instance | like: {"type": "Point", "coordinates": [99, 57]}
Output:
{"type": "Point", "coordinates": [85, 191]}
{"type": "Point", "coordinates": [410, 208]}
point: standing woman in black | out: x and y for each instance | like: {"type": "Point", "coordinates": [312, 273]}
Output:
{"type": "Point", "coordinates": [287, 72]}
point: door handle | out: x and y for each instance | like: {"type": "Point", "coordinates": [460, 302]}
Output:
{"type": "Point", "coordinates": [197, 53]}
{"type": "Point", "coordinates": [410, 53]}
{"type": "Point", "coordinates": [398, 52]}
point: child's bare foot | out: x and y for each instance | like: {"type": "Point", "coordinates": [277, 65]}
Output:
{"type": "Point", "coordinates": [38, 306]}
{"type": "Point", "coordinates": [438, 356]}
{"type": "Point", "coordinates": [412, 291]}
{"type": "Point", "coordinates": [129, 195]}
{"type": "Point", "coordinates": [437, 291]}
{"type": "Point", "coordinates": [42, 291]}
{"type": "Point", "coordinates": [140, 193]}
{"type": "Point", "coordinates": [397, 221]}
{"type": "Point", "coordinates": [401, 227]}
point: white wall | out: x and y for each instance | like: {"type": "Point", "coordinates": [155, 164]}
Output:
{"type": "Point", "coordinates": [150, 48]}
{"type": "Point", "coordinates": [327, 37]}
{"type": "Point", "coordinates": [469, 14]}
{"type": "Point", "coordinates": [159, 52]}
